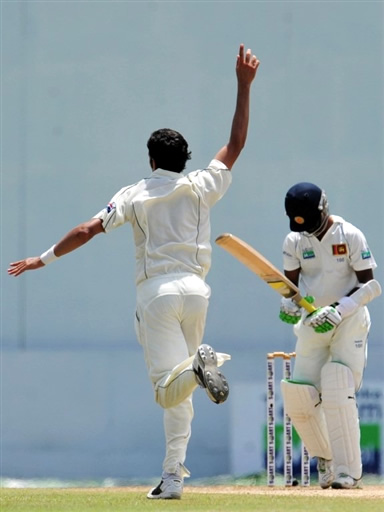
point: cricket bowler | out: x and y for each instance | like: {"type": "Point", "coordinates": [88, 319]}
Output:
{"type": "Point", "coordinates": [169, 212]}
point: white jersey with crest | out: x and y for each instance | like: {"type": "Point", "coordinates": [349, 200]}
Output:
{"type": "Point", "coordinates": [169, 214]}
{"type": "Point", "coordinates": [327, 266]}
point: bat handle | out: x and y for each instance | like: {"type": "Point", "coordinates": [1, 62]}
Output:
{"type": "Point", "coordinates": [301, 301]}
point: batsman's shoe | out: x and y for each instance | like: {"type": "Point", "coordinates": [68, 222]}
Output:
{"type": "Point", "coordinates": [325, 470]}
{"type": "Point", "coordinates": [171, 485]}
{"type": "Point", "coordinates": [344, 481]}
{"type": "Point", "coordinates": [208, 375]}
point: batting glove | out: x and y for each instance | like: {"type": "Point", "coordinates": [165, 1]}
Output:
{"type": "Point", "coordinates": [324, 319]}
{"type": "Point", "coordinates": [290, 311]}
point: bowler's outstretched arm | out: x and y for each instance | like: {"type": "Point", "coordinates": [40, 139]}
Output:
{"type": "Point", "coordinates": [74, 239]}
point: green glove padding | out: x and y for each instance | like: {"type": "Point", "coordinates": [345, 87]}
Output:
{"type": "Point", "coordinates": [325, 327]}
{"type": "Point", "coordinates": [290, 312]}
{"type": "Point", "coordinates": [324, 319]}
{"type": "Point", "coordinates": [289, 319]}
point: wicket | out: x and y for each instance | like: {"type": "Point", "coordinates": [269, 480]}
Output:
{"type": "Point", "coordinates": [287, 428]}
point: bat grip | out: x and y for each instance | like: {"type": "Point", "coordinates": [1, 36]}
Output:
{"type": "Point", "coordinates": [303, 303]}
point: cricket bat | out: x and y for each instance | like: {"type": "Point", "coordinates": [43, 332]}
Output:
{"type": "Point", "coordinates": [263, 268]}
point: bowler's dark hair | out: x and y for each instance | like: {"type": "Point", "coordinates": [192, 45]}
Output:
{"type": "Point", "coordinates": [168, 149]}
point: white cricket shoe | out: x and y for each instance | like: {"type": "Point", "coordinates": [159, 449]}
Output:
{"type": "Point", "coordinates": [344, 481]}
{"type": "Point", "coordinates": [171, 485]}
{"type": "Point", "coordinates": [325, 470]}
{"type": "Point", "coordinates": [208, 376]}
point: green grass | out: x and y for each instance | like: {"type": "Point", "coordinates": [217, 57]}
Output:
{"type": "Point", "coordinates": [124, 499]}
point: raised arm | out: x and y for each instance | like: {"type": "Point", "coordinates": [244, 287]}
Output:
{"type": "Point", "coordinates": [74, 239]}
{"type": "Point", "coordinates": [246, 67]}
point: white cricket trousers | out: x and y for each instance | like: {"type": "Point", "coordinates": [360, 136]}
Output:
{"type": "Point", "coordinates": [170, 328]}
{"type": "Point", "coordinates": [346, 344]}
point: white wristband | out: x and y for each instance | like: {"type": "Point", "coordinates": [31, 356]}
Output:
{"type": "Point", "coordinates": [49, 256]}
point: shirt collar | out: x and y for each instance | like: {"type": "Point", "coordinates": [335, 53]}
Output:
{"type": "Point", "coordinates": [168, 174]}
{"type": "Point", "coordinates": [337, 219]}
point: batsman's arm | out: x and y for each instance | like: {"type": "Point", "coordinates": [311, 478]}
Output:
{"type": "Point", "coordinates": [304, 302]}
{"type": "Point", "coordinates": [363, 276]}
{"type": "Point", "coordinates": [367, 290]}
{"type": "Point", "coordinates": [327, 318]}
{"type": "Point", "coordinates": [246, 68]}
{"type": "Point", "coordinates": [74, 239]}
{"type": "Point", "coordinates": [293, 275]}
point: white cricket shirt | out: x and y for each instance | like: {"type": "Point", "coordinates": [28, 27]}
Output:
{"type": "Point", "coordinates": [169, 214]}
{"type": "Point", "coordinates": [328, 266]}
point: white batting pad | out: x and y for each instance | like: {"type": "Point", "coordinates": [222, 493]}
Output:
{"type": "Point", "coordinates": [302, 404]}
{"type": "Point", "coordinates": [340, 410]}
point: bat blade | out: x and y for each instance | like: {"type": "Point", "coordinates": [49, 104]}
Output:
{"type": "Point", "coordinates": [258, 264]}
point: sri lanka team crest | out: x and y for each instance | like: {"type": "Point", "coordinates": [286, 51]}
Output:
{"type": "Point", "coordinates": [339, 249]}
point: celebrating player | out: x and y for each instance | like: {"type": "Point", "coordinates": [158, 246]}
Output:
{"type": "Point", "coordinates": [170, 217]}
{"type": "Point", "coordinates": [331, 259]}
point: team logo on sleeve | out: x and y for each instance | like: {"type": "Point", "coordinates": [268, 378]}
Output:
{"type": "Point", "coordinates": [110, 207]}
{"type": "Point", "coordinates": [339, 249]}
{"type": "Point", "coordinates": [366, 254]}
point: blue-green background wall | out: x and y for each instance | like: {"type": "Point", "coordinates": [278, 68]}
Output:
{"type": "Point", "coordinates": [83, 86]}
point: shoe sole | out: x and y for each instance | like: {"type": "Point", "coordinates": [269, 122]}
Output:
{"type": "Point", "coordinates": [215, 383]}
{"type": "Point", "coordinates": [338, 485]}
{"type": "Point", "coordinates": [164, 495]}
{"type": "Point", "coordinates": [170, 496]}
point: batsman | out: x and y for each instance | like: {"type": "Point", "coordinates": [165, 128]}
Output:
{"type": "Point", "coordinates": [332, 262]}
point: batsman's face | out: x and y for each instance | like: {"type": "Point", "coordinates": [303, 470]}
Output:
{"type": "Point", "coordinates": [314, 224]}
{"type": "Point", "coordinates": [321, 226]}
